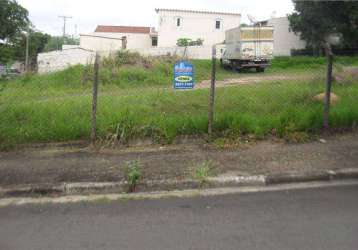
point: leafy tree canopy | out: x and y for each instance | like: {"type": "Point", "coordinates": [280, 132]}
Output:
{"type": "Point", "coordinates": [13, 19]}
{"type": "Point", "coordinates": [185, 42]}
{"type": "Point", "coordinates": [15, 51]}
{"type": "Point", "coordinates": [316, 20]}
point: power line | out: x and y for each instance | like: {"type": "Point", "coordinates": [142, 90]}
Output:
{"type": "Point", "coordinates": [64, 23]}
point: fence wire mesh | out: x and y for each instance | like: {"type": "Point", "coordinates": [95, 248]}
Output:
{"type": "Point", "coordinates": [136, 100]}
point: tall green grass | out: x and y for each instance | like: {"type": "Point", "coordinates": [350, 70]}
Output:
{"type": "Point", "coordinates": [257, 109]}
{"type": "Point", "coordinates": [57, 106]}
{"type": "Point", "coordinates": [152, 72]}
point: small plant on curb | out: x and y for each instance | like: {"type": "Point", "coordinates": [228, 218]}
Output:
{"type": "Point", "coordinates": [202, 172]}
{"type": "Point", "coordinates": [132, 174]}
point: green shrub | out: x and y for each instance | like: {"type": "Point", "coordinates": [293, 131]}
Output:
{"type": "Point", "coordinates": [202, 172]}
{"type": "Point", "coordinates": [125, 57]}
{"type": "Point", "coordinates": [132, 174]}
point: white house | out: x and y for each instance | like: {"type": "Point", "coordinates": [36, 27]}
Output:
{"type": "Point", "coordinates": [284, 39]}
{"type": "Point", "coordinates": [110, 38]}
{"type": "Point", "coordinates": [209, 26]}
{"type": "Point", "coordinates": [173, 25]}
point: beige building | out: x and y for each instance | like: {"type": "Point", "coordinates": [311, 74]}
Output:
{"type": "Point", "coordinates": [284, 39]}
{"type": "Point", "coordinates": [208, 26]}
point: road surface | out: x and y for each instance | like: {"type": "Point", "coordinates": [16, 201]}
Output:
{"type": "Point", "coordinates": [323, 218]}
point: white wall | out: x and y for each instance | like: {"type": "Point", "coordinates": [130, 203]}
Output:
{"type": "Point", "coordinates": [284, 39]}
{"type": "Point", "coordinates": [98, 41]}
{"type": "Point", "coordinates": [59, 60]}
{"type": "Point", "coordinates": [194, 25]}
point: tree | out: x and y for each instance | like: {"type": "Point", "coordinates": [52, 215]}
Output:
{"type": "Point", "coordinates": [15, 51]}
{"type": "Point", "coordinates": [56, 42]}
{"type": "Point", "coordinates": [7, 53]}
{"type": "Point", "coordinates": [13, 19]}
{"type": "Point", "coordinates": [37, 43]}
{"type": "Point", "coordinates": [316, 20]}
{"type": "Point", "coordinates": [185, 42]}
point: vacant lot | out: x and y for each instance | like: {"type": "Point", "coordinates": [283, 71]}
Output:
{"type": "Point", "coordinates": [136, 101]}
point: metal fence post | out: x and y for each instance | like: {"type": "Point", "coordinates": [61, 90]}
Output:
{"type": "Point", "coordinates": [212, 93]}
{"type": "Point", "coordinates": [94, 100]}
{"type": "Point", "coordinates": [329, 78]}
{"type": "Point", "coordinates": [27, 60]}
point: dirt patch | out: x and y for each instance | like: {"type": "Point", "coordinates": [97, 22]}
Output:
{"type": "Point", "coordinates": [56, 165]}
{"type": "Point", "coordinates": [255, 79]}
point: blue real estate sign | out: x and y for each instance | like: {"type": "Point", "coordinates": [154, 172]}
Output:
{"type": "Point", "coordinates": [183, 75]}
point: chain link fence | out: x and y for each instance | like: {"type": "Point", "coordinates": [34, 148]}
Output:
{"type": "Point", "coordinates": [124, 97]}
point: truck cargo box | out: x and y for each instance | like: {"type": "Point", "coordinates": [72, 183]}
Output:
{"type": "Point", "coordinates": [249, 43]}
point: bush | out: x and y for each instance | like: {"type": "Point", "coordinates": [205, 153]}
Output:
{"type": "Point", "coordinates": [132, 175]}
{"type": "Point", "coordinates": [124, 57]}
{"type": "Point", "coordinates": [202, 172]}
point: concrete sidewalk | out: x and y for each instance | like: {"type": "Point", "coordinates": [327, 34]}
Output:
{"type": "Point", "coordinates": [54, 165]}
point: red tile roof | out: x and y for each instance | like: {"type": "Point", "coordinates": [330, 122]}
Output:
{"type": "Point", "coordinates": [123, 29]}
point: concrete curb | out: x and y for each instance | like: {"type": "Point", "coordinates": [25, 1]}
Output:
{"type": "Point", "coordinates": [328, 175]}
{"type": "Point", "coordinates": [170, 185]}
{"type": "Point", "coordinates": [298, 177]}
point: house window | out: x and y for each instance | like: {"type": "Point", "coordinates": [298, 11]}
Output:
{"type": "Point", "coordinates": [218, 24]}
{"type": "Point", "coordinates": [178, 21]}
{"type": "Point", "coordinates": [154, 41]}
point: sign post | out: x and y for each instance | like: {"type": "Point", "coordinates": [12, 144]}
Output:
{"type": "Point", "coordinates": [183, 75]}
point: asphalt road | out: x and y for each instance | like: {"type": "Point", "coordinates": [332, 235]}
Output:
{"type": "Point", "coordinates": [324, 218]}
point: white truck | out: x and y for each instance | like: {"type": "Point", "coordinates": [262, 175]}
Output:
{"type": "Point", "coordinates": [248, 47]}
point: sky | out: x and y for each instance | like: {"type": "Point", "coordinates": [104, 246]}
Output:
{"type": "Point", "coordinates": [87, 14]}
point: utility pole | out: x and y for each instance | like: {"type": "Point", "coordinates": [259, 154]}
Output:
{"type": "Point", "coordinates": [64, 24]}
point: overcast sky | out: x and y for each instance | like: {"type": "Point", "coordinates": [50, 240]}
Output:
{"type": "Point", "coordinates": [87, 14]}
